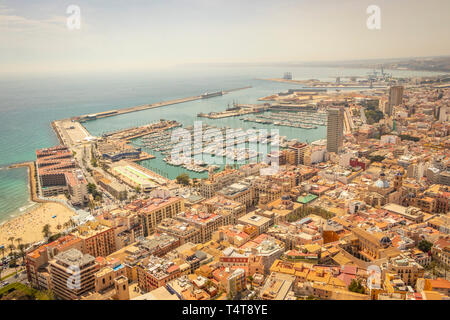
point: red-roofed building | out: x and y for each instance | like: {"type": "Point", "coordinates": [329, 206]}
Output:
{"type": "Point", "coordinates": [206, 222]}
{"type": "Point", "coordinates": [36, 261]}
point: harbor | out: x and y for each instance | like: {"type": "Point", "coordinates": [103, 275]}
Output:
{"type": "Point", "coordinates": [241, 147]}
{"type": "Point", "coordinates": [300, 119]}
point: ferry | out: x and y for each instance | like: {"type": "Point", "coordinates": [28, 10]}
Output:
{"type": "Point", "coordinates": [207, 95]}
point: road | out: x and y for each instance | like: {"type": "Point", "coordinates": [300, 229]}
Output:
{"type": "Point", "coordinates": [20, 277]}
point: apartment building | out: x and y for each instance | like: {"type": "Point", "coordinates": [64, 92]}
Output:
{"type": "Point", "coordinates": [229, 209]}
{"type": "Point", "coordinates": [181, 230]}
{"type": "Point", "coordinates": [154, 272]}
{"type": "Point", "coordinates": [154, 210]}
{"type": "Point", "coordinates": [299, 150]}
{"type": "Point", "coordinates": [98, 238]}
{"type": "Point", "coordinates": [105, 277]}
{"type": "Point", "coordinates": [217, 181]}
{"type": "Point", "coordinates": [406, 268]}
{"type": "Point", "coordinates": [335, 130]}
{"type": "Point", "coordinates": [57, 174]}
{"type": "Point", "coordinates": [236, 281]}
{"type": "Point", "coordinates": [261, 223]}
{"type": "Point", "coordinates": [265, 186]}
{"type": "Point", "coordinates": [206, 222]}
{"type": "Point", "coordinates": [68, 285]}
{"type": "Point", "coordinates": [241, 192]}
{"type": "Point", "coordinates": [36, 261]}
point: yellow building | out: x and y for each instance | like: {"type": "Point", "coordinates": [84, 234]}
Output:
{"type": "Point", "coordinates": [157, 209]}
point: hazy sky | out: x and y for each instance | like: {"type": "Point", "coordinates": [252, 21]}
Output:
{"type": "Point", "coordinates": [140, 34]}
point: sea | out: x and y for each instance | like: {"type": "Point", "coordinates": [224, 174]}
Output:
{"type": "Point", "coordinates": [29, 103]}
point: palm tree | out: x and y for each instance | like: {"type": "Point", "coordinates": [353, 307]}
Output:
{"type": "Point", "coordinates": [19, 241]}
{"type": "Point", "coordinates": [22, 251]}
{"type": "Point", "coordinates": [46, 231]}
{"type": "Point", "coordinates": [11, 248]}
{"type": "Point", "coordinates": [66, 224]}
{"type": "Point", "coordinates": [11, 239]}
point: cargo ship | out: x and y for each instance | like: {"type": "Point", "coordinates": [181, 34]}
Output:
{"type": "Point", "coordinates": [207, 95]}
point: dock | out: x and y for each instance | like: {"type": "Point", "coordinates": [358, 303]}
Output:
{"type": "Point", "coordinates": [143, 156]}
{"type": "Point", "coordinates": [136, 132]}
{"type": "Point", "coordinates": [316, 84]}
{"type": "Point", "coordinates": [238, 110]}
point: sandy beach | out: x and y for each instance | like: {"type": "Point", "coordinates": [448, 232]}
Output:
{"type": "Point", "coordinates": [29, 225]}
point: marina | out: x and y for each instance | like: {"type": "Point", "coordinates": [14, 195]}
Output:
{"type": "Point", "coordinates": [239, 145]}
{"type": "Point", "coordinates": [300, 119]}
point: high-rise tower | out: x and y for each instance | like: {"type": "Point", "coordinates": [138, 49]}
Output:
{"type": "Point", "coordinates": [395, 98]}
{"type": "Point", "coordinates": [335, 129]}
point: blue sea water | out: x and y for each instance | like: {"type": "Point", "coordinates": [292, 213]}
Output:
{"type": "Point", "coordinates": [29, 103]}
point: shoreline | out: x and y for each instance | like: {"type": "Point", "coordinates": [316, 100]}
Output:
{"type": "Point", "coordinates": [33, 203]}
{"type": "Point", "coordinates": [28, 204]}
{"type": "Point", "coordinates": [28, 225]}
{"type": "Point", "coordinates": [30, 172]}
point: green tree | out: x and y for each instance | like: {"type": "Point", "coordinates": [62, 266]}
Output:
{"type": "Point", "coordinates": [373, 116]}
{"type": "Point", "coordinates": [45, 295]}
{"type": "Point", "coordinates": [376, 158]}
{"type": "Point", "coordinates": [46, 231]}
{"type": "Point", "coordinates": [21, 248]}
{"type": "Point", "coordinates": [408, 137]}
{"type": "Point", "coordinates": [11, 248]}
{"type": "Point", "coordinates": [183, 179]}
{"type": "Point", "coordinates": [12, 240]}
{"type": "Point", "coordinates": [54, 237]}
{"type": "Point", "coordinates": [92, 188]}
{"type": "Point", "coordinates": [13, 262]}
{"type": "Point", "coordinates": [356, 286]}
{"type": "Point", "coordinates": [425, 245]}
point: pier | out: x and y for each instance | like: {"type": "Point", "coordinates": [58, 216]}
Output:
{"type": "Point", "coordinates": [237, 110]}
{"type": "Point", "coordinates": [31, 179]}
{"type": "Point", "coordinates": [111, 113]}
{"type": "Point", "coordinates": [136, 132]}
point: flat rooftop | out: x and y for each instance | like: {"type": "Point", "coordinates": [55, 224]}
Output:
{"type": "Point", "coordinates": [74, 257]}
